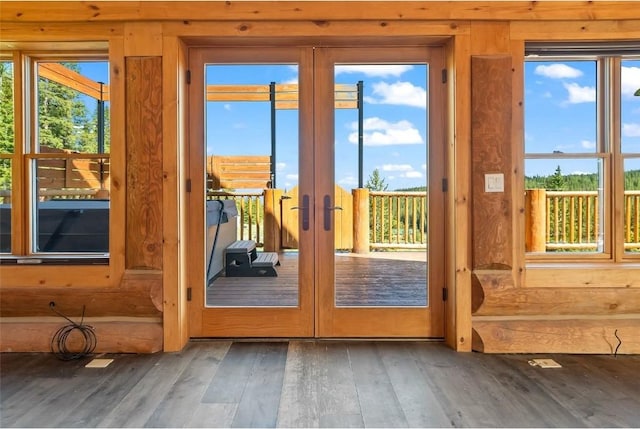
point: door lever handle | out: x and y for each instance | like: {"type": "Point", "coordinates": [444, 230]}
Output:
{"type": "Point", "coordinates": [304, 208]}
{"type": "Point", "coordinates": [328, 208]}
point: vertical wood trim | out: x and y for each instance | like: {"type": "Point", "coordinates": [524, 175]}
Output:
{"type": "Point", "coordinates": [175, 317]}
{"type": "Point", "coordinates": [491, 99]}
{"type": "Point", "coordinates": [118, 160]}
{"type": "Point", "coordinates": [18, 233]}
{"type": "Point", "coordinates": [144, 166]}
{"type": "Point", "coordinates": [458, 333]}
{"type": "Point", "coordinates": [517, 161]}
{"type": "Point", "coordinates": [194, 169]}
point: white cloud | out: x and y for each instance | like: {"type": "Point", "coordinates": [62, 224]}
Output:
{"type": "Point", "coordinates": [291, 177]}
{"type": "Point", "coordinates": [378, 132]}
{"type": "Point", "coordinates": [399, 93]}
{"type": "Point", "coordinates": [379, 70]}
{"type": "Point", "coordinates": [631, 130]}
{"type": "Point", "coordinates": [557, 71]}
{"type": "Point", "coordinates": [586, 144]}
{"type": "Point", "coordinates": [402, 170]}
{"type": "Point", "coordinates": [280, 166]}
{"type": "Point", "coordinates": [630, 80]}
{"type": "Point", "coordinates": [580, 94]}
{"type": "Point", "coordinates": [397, 167]}
{"type": "Point", "coordinates": [424, 167]}
{"type": "Point", "coordinates": [348, 181]}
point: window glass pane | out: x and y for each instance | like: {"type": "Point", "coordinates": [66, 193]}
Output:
{"type": "Point", "coordinates": [72, 209]}
{"type": "Point", "coordinates": [560, 107]}
{"type": "Point", "coordinates": [5, 205]}
{"type": "Point", "coordinates": [630, 106]}
{"type": "Point", "coordinates": [632, 205]}
{"type": "Point", "coordinates": [252, 144]}
{"type": "Point", "coordinates": [564, 209]}
{"type": "Point", "coordinates": [73, 106]}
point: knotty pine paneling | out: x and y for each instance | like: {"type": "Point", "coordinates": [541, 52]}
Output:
{"type": "Point", "coordinates": [491, 153]}
{"type": "Point", "coordinates": [144, 162]}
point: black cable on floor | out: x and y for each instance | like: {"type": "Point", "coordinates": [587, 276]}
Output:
{"type": "Point", "coordinates": [59, 341]}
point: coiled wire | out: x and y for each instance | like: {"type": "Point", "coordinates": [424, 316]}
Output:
{"type": "Point", "coordinates": [59, 345]}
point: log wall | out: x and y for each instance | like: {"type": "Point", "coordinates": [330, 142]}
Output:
{"type": "Point", "coordinates": [498, 302]}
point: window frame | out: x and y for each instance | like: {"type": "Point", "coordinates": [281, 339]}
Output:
{"type": "Point", "coordinates": [24, 159]}
{"type": "Point", "coordinates": [609, 59]}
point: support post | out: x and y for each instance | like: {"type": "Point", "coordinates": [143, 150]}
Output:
{"type": "Point", "coordinates": [272, 220]}
{"type": "Point", "coordinates": [360, 87]}
{"type": "Point", "coordinates": [360, 220]}
{"type": "Point", "coordinates": [535, 220]}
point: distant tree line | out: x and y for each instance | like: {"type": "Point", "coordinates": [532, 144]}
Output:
{"type": "Point", "coordinates": [577, 182]}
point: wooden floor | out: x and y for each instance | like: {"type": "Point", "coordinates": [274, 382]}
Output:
{"type": "Point", "coordinates": [319, 383]}
{"type": "Point", "coordinates": [379, 279]}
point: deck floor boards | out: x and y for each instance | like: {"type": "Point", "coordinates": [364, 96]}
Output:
{"type": "Point", "coordinates": [319, 383]}
{"type": "Point", "coordinates": [378, 279]}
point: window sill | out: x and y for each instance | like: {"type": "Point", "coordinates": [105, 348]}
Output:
{"type": "Point", "coordinates": [594, 274]}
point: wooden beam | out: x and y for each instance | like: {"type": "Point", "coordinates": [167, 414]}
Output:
{"type": "Point", "coordinates": [43, 11]}
{"type": "Point", "coordinates": [129, 335]}
{"type": "Point", "coordinates": [601, 335]}
{"type": "Point", "coordinates": [138, 294]}
{"type": "Point", "coordinates": [57, 72]}
{"type": "Point", "coordinates": [286, 95]}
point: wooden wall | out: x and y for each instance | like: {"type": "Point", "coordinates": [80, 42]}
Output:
{"type": "Point", "coordinates": [497, 302]}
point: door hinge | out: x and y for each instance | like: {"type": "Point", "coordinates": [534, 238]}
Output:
{"type": "Point", "coordinates": [445, 293]}
{"type": "Point", "coordinates": [444, 75]}
{"type": "Point", "coordinates": [188, 77]}
{"type": "Point", "coordinates": [188, 185]}
{"type": "Point", "coordinates": [188, 294]}
{"type": "Point", "coordinates": [445, 184]}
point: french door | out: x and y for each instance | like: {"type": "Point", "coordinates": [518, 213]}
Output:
{"type": "Point", "coordinates": [286, 238]}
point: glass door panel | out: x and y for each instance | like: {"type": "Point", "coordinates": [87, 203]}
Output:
{"type": "Point", "coordinates": [251, 105]}
{"type": "Point", "coordinates": [377, 217]}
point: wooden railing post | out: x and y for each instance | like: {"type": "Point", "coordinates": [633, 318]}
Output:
{"type": "Point", "coordinates": [272, 220]}
{"type": "Point", "coordinates": [535, 220]}
{"type": "Point", "coordinates": [360, 220]}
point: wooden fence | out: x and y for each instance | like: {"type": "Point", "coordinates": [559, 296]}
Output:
{"type": "Point", "coordinates": [571, 221]}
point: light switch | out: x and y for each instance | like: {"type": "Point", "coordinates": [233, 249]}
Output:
{"type": "Point", "coordinates": [494, 182]}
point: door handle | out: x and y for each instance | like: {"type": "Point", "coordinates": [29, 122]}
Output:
{"type": "Point", "coordinates": [304, 208]}
{"type": "Point", "coordinates": [328, 208]}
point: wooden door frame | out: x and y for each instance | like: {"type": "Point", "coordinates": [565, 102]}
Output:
{"type": "Point", "coordinates": [381, 322]}
{"type": "Point", "coordinates": [196, 264]}
{"type": "Point", "coordinates": [241, 322]}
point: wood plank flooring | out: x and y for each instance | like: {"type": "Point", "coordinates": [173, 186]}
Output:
{"type": "Point", "coordinates": [319, 384]}
{"type": "Point", "coordinates": [397, 279]}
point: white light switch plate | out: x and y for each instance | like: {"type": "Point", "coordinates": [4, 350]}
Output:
{"type": "Point", "coordinates": [494, 182]}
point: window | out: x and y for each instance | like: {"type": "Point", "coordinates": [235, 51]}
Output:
{"type": "Point", "coordinates": [56, 170]}
{"type": "Point", "coordinates": [582, 152]}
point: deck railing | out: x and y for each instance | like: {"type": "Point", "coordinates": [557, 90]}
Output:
{"type": "Point", "coordinates": [571, 220]}
{"type": "Point", "coordinates": [398, 219]}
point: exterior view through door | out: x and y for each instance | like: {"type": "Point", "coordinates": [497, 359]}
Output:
{"type": "Point", "coordinates": [314, 216]}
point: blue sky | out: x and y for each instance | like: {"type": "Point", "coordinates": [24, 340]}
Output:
{"type": "Point", "coordinates": [560, 113]}
{"type": "Point", "coordinates": [395, 128]}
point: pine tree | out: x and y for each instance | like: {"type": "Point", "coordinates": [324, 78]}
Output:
{"type": "Point", "coordinates": [556, 181]}
{"type": "Point", "coordinates": [375, 182]}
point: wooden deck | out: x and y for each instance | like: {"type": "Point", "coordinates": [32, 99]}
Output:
{"type": "Point", "coordinates": [319, 384]}
{"type": "Point", "coordinates": [389, 279]}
